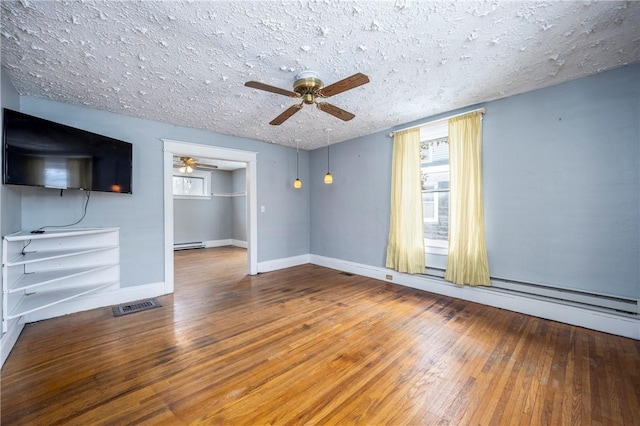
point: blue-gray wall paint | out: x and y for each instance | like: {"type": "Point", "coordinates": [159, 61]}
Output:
{"type": "Point", "coordinates": [561, 184]}
{"type": "Point", "coordinates": [10, 199]}
{"type": "Point", "coordinates": [283, 229]}
{"type": "Point", "coordinates": [350, 217]}
{"type": "Point", "coordinates": [10, 202]}
{"type": "Point", "coordinates": [205, 219]}
{"type": "Point", "coordinates": [561, 187]}
{"type": "Point", "coordinates": [239, 205]}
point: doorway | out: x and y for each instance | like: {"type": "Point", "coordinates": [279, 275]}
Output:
{"type": "Point", "coordinates": [171, 148]}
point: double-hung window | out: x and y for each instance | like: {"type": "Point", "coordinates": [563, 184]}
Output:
{"type": "Point", "coordinates": [191, 185]}
{"type": "Point", "coordinates": [434, 148]}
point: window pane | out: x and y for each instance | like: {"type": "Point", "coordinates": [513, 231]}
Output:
{"type": "Point", "coordinates": [441, 153]}
{"type": "Point", "coordinates": [434, 180]}
{"type": "Point", "coordinates": [177, 185]}
{"type": "Point", "coordinates": [435, 185]}
{"type": "Point", "coordinates": [429, 206]}
{"type": "Point", "coordinates": [438, 228]}
{"type": "Point", "coordinates": [434, 152]}
{"type": "Point", "coordinates": [194, 186]}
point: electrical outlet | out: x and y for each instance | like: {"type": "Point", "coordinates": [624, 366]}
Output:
{"type": "Point", "coordinates": [389, 277]}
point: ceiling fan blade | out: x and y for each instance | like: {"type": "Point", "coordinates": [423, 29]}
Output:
{"type": "Point", "coordinates": [205, 166]}
{"type": "Point", "coordinates": [272, 89]}
{"type": "Point", "coordinates": [335, 111]}
{"type": "Point", "coordinates": [285, 115]}
{"type": "Point", "coordinates": [343, 85]}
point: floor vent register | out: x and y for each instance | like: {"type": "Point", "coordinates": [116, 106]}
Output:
{"type": "Point", "coordinates": [133, 307]}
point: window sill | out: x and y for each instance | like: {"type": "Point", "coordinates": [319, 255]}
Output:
{"type": "Point", "coordinates": [436, 250]}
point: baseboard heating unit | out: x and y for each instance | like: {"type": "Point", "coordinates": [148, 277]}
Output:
{"type": "Point", "coordinates": [591, 299]}
{"type": "Point", "coordinates": [588, 299]}
{"type": "Point", "coordinates": [186, 246]}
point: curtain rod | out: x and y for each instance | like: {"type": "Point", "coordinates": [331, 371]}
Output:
{"type": "Point", "coordinates": [480, 110]}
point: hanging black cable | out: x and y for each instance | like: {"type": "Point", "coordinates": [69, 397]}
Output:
{"type": "Point", "coordinates": [42, 228]}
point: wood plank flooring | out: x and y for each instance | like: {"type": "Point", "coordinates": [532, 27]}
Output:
{"type": "Point", "coordinates": [310, 345]}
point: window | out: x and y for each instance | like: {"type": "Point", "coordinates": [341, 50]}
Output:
{"type": "Point", "coordinates": [435, 186]}
{"type": "Point", "coordinates": [191, 185]}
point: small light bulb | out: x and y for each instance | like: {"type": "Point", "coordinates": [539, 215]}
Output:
{"type": "Point", "coordinates": [183, 169]}
{"type": "Point", "coordinates": [189, 169]}
{"type": "Point", "coordinates": [328, 179]}
{"type": "Point", "coordinates": [297, 183]}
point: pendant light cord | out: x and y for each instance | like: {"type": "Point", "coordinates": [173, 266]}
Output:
{"type": "Point", "coordinates": [328, 169]}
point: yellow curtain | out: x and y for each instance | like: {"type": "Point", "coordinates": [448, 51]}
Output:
{"type": "Point", "coordinates": [405, 251]}
{"type": "Point", "coordinates": [467, 262]}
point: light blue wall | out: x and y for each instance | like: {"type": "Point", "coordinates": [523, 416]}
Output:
{"type": "Point", "coordinates": [239, 205]}
{"type": "Point", "coordinates": [205, 219]}
{"type": "Point", "coordinates": [350, 217]}
{"type": "Point", "coordinates": [10, 203]}
{"type": "Point", "coordinates": [284, 224]}
{"type": "Point", "coordinates": [10, 215]}
{"type": "Point", "coordinates": [561, 173]}
{"type": "Point", "coordinates": [283, 229]}
{"type": "Point", "coordinates": [561, 180]}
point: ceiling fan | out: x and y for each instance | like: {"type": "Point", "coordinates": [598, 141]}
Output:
{"type": "Point", "coordinates": [189, 164]}
{"type": "Point", "coordinates": [309, 87]}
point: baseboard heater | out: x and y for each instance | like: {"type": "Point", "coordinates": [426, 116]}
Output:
{"type": "Point", "coordinates": [594, 300]}
{"type": "Point", "coordinates": [186, 246]}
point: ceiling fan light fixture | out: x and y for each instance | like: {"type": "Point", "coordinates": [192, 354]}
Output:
{"type": "Point", "coordinates": [308, 87]}
{"type": "Point", "coordinates": [187, 164]}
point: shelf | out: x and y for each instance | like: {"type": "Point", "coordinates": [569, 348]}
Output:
{"type": "Point", "coordinates": [26, 235]}
{"type": "Point", "coordinates": [40, 256]}
{"type": "Point", "coordinates": [57, 266]}
{"type": "Point", "coordinates": [38, 279]}
{"type": "Point", "coordinates": [37, 301]}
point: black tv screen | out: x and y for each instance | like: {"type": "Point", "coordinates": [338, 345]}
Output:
{"type": "Point", "coordinates": [39, 152]}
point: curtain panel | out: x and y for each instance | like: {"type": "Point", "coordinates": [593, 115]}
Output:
{"type": "Point", "coordinates": [405, 250]}
{"type": "Point", "coordinates": [467, 261]}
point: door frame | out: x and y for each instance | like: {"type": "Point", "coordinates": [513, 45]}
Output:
{"type": "Point", "coordinates": [173, 147]}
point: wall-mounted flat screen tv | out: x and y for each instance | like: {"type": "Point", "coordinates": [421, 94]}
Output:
{"type": "Point", "coordinates": [38, 152]}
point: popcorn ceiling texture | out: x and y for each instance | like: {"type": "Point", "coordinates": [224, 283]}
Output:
{"type": "Point", "coordinates": [185, 63]}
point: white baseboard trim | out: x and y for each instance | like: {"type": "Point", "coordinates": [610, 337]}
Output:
{"type": "Point", "coordinates": [239, 243]}
{"type": "Point", "coordinates": [217, 243]}
{"type": "Point", "coordinates": [287, 262]}
{"type": "Point", "coordinates": [98, 300]}
{"type": "Point", "coordinates": [608, 322]}
{"type": "Point", "coordinates": [9, 339]}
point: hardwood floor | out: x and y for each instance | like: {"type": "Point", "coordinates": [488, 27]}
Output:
{"type": "Point", "coordinates": [310, 345]}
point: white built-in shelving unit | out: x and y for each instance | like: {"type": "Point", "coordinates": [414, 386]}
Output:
{"type": "Point", "coordinates": [41, 270]}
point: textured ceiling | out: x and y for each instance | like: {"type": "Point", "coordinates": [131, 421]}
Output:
{"type": "Point", "coordinates": [185, 63]}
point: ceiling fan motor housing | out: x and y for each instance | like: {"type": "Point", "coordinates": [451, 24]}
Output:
{"type": "Point", "coordinates": [307, 84]}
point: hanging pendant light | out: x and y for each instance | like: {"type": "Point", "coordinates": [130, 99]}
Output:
{"type": "Point", "coordinates": [297, 183]}
{"type": "Point", "coordinates": [328, 179]}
